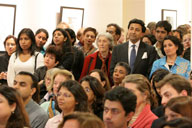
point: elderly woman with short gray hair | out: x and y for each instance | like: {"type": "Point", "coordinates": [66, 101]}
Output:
{"type": "Point", "coordinates": [100, 59]}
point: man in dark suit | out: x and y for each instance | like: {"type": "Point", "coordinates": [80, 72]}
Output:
{"type": "Point", "coordinates": [137, 54]}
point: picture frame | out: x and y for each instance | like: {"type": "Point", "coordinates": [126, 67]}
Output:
{"type": "Point", "coordinates": [72, 16]}
{"type": "Point", "coordinates": [170, 16]}
{"type": "Point", "coordinates": [7, 22]}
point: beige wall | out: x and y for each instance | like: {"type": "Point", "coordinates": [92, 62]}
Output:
{"type": "Point", "coordinates": [133, 9]}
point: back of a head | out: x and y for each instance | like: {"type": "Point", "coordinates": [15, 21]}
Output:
{"type": "Point", "coordinates": [176, 81]}
{"type": "Point", "coordinates": [85, 120]}
{"type": "Point", "coordinates": [178, 103]}
{"type": "Point", "coordinates": [124, 96]}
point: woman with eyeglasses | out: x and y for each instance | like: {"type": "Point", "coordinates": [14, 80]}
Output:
{"type": "Point", "coordinates": [70, 97]}
{"type": "Point", "coordinates": [95, 93]}
{"type": "Point", "coordinates": [59, 76]}
{"type": "Point", "coordinates": [10, 47]}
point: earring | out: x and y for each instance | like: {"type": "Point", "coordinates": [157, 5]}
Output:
{"type": "Point", "coordinates": [12, 112]}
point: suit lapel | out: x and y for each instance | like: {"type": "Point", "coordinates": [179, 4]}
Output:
{"type": "Point", "coordinates": [125, 52]}
{"type": "Point", "coordinates": [140, 53]}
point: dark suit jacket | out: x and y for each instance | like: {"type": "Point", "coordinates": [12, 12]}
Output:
{"type": "Point", "coordinates": [142, 64]}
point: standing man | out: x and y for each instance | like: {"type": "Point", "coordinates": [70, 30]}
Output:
{"type": "Point", "coordinates": [137, 54]}
{"type": "Point", "coordinates": [119, 107]}
{"type": "Point", "coordinates": [163, 28]}
{"type": "Point", "coordinates": [115, 31]}
{"type": "Point", "coordinates": [26, 84]}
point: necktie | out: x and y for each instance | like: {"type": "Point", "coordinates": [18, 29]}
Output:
{"type": "Point", "coordinates": [132, 57]}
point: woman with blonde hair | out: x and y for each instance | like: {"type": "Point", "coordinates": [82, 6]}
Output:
{"type": "Point", "coordinates": [58, 77]}
{"type": "Point", "coordinates": [146, 98]}
{"type": "Point", "coordinates": [82, 120]}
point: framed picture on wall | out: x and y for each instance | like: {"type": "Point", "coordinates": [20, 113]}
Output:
{"type": "Point", "coordinates": [171, 16]}
{"type": "Point", "coordinates": [7, 22]}
{"type": "Point", "coordinates": [72, 16]}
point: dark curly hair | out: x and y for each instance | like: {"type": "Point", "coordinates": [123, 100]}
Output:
{"type": "Point", "coordinates": [176, 42]}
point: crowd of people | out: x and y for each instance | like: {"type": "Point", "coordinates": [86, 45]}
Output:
{"type": "Point", "coordinates": [103, 80]}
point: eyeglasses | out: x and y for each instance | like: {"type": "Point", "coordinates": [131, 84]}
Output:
{"type": "Point", "coordinates": [64, 95]}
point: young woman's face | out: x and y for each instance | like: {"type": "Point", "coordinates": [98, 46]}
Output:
{"type": "Point", "coordinates": [25, 42]}
{"type": "Point", "coordinates": [66, 100]}
{"type": "Point", "coordinates": [5, 109]}
{"type": "Point", "coordinates": [89, 37]}
{"type": "Point", "coordinates": [41, 39]}
{"type": "Point", "coordinates": [10, 46]}
{"type": "Point", "coordinates": [58, 38]}
{"type": "Point", "coordinates": [88, 91]}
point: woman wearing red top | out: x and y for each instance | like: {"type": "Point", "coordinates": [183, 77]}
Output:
{"type": "Point", "coordinates": [100, 59]}
{"type": "Point", "coordinates": [146, 98]}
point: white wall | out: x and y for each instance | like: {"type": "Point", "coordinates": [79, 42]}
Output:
{"type": "Point", "coordinates": [45, 13]}
{"type": "Point", "coordinates": [153, 10]}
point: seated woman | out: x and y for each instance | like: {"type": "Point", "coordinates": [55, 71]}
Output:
{"type": "Point", "coordinates": [62, 41]}
{"type": "Point", "coordinates": [187, 46]}
{"type": "Point", "coordinates": [10, 47]}
{"type": "Point", "coordinates": [146, 98]}
{"type": "Point", "coordinates": [89, 36]}
{"type": "Point", "coordinates": [70, 97]}
{"type": "Point", "coordinates": [100, 59]}
{"type": "Point", "coordinates": [25, 58]}
{"type": "Point", "coordinates": [178, 107]}
{"type": "Point", "coordinates": [58, 77]}
{"type": "Point", "coordinates": [102, 77]}
{"type": "Point", "coordinates": [81, 120]}
{"type": "Point", "coordinates": [95, 93]}
{"type": "Point", "coordinates": [12, 111]}
{"type": "Point", "coordinates": [172, 49]}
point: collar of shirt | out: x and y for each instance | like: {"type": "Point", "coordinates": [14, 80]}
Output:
{"type": "Point", "coordinates": [136, 44]}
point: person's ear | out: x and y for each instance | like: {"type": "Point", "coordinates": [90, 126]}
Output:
{"type": "Point", "coordinates": [183, 93]}
{"type": "Point", "coordinates": [129, 116]}
{"type": "Point", "coordinates": [56, 63]}
{"type": "Point", "coordinates": [33, 91]}
{"type": "Point", "coordinates": [65, 38]}
{"type": "Point", "coordinates": [13, 107]}
{"type": "Point", "coordinates": [103, 83]}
